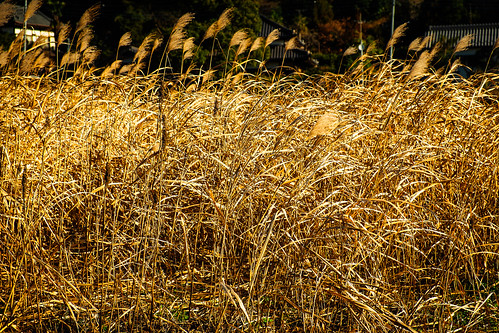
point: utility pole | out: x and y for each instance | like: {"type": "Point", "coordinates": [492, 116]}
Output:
{"type": "Point", "coordinates": [361, 45]}
{"type": "Point", "coordinates": [393, 27]}
{"type": "Point", "coordinates": [25, 24]}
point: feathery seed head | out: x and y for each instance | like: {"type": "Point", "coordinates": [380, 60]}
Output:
{"type": "Point", "coordinates": [272, 37]}
{"type": "Point", "coordinates": [424, 43]}
{"type": "Point", "coordinates": [188, 47]}
{"type": "Point", "coordinates": [90, 55]}
{"type": "Point", "coordinates": [464, 43]}
{"type": "Point", "coordinates": [144, 47]}
{"type": "Point", "coordinates": [455, 66]}
{"type": "Point", "coordinates": [325, 124]}
{"type": "Point", "coordinates": [351, 50]}
{"type": "Point", "coordinates": [125, 69]}
{"type": "Point", "coordinates": [292, 44]}
{"type": "Point", "coordinates": [33, 6]}
{"type": "Point", "coordinates": [238, 37]}
{"type": "Point", "coordinates": [243, 46]}
{"type": "Point", "coordinates": [16, 43]}
{"type": "Point", "coordinates": [183, 21]}
{"type": "Point", "coordinates": [84, 39]}
{"type": "Point", "coordinates": [257, 43]}
{"type": "Point", "coordinates": [421, 65]}
{"type": "Point", "coordinates": [414, 46]}
{"type": "Point", "coordinates": [157, 42]}
{"type": "Point", "coordinates": [496, 44]}
{"type": "Point", "coordinates": [70, 58]}
{"type": "Point", "coordinates": [371, 47]}
{"type": "Point", "coordinates": [126, 39]}
{"type": "Point", "coordinates": [88, 17]}
{"type": "Point", "coordinates": [224, 19]}
{"type": "Point", "coordinates": [176, 40]}
{"type": "Point", "coordinates": [436, 48]}
{"type": "Point", "coordinates": [7, 10]}
{"type": "Point", "coordinates": [210, 32]}
{"type": "Point", "coordinates": [63, 33]}
{"type": "Point", "coordinates": [4, 58]}
{"type": "Point", "coordinates": [397, 34]}
{"type": "Point", "coordinates": [219, 24]}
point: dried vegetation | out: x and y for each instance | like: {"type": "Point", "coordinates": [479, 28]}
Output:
{"type": "Point", "coordinates": [366, 201]}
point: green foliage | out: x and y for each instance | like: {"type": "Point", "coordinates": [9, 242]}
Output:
{"type": "Point", "coordinates": [328, 62]}
{"type": "Point", "coordinates": [6, 39]}
{"type": "Point", "coordinates": [442, 11]}
{"type": "Point", "coordinates": [323, 11]}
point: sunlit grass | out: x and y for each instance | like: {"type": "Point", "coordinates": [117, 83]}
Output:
{"type": "Point", "coordinates": [252, 202]}
{"type": "Point", "coordinates": [123, 207]}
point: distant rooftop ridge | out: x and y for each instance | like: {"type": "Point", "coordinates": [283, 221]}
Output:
{"type": "Point", "coordinates": [37, 20]}
{"type": "Point", "coordinates": [484, 34]}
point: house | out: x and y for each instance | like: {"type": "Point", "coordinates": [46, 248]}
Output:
{"type": "Point", "coordinates": [39, 25]}
{"type": "Point", "coordinates": [484, 38]}
{"type": "Point", "coordinates": [295, 57]}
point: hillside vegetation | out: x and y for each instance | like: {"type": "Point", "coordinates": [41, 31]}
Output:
{"type": "Point", "coordinates": [253, 202]}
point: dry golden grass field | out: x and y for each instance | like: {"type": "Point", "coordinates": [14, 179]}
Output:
{"type": "Point", "coordinates": [363, 202]}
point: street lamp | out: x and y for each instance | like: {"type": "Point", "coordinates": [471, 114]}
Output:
{"type": "Point", "coordinates": [393, 27]}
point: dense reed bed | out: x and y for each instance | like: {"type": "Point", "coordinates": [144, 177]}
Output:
{"type": "Point", "coordinates": [134, 202]}
{"type": "Point", "coordinates": [364, 203]}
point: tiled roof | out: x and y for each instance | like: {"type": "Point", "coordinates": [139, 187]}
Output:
{"type": "Point", "coordinates": [268, 25]}
{"type": "Point", "coordinates": [277, 48]}
{"type": "Point", "coordinates": [277, 52]}
{"type": "Point", "coordinates": [37, 20]}
{"type": "Point", "coordinates": [483, 34]}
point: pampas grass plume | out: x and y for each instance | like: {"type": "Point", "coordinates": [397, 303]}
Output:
{"type": "Point", "coordinates": [208, 75]}
{"type": "Point", "coordinates": [243, 46]}
{"type": "Point", "coordinates": [272, 37]}
{"type": "Point", "coordinates": [436, 48]}
{"type": "Point", "coordinates": [220, 24]}
{"type": "Point", "coordinates": [88, 17]}
{"type": "Point", "coordinates": [188, 47]}
{"type": "Point", "coordinates": [84, 39]}
{"type": "Point", "coordinates": [183, 21]}
{"type": "Point", "coordinates": [14, 46]}
{"type": "Point", "coordinates": [70, 58]}
{"type": "Point", "coordinates": [125, 69]}
{"type": "Point", "coordinates": [327, 123]}
{"type": "Point", "coordinates": [424, 43]}
{"type": "Point", "coordinates": [33, 6]}
{"type": "Point", "coordinates": [351, 50]}
{"type": "Point", "coordinates": [257, 43]}
{"type": "Point", "coordinates": [224, 19]}
{"type": "Point", "coordinates": [4, 58]}
{"type": "Point", "coordinates": [63, 34]}
{"type": "Point", "coordinates": [110, 69]}
{"type": "Point", "coordinates": [397, 34]}
{"type": "Point", "coordinates": [421, 65]}
{"type": "Point", "coordinates": [6, 12]}
{"type": "Point", "coordinates": [455, 65]}
{"type": "Point", "coordinates": [157, 42]}
{"type": "Point", "coordinates": [371, 47]}
{"type": "Point", "coordinates": [144, 47]}
{"type": "Point", "coordinates": [238, 37]}
{"type": "Point", "coordinates": [496, 44]}
{"type": "Point", "coordinates": [414, 46]}
{"type": "Point", "coordinates": [464, 43]}
{"type": "Point", "coordinates": [176, 40]}
{"type": "Point", "coordinates": [90, 55]}
{"type": "Point", "coordinates": [292, 44]}
{"type": "Point", "coordinates": [126, 39]}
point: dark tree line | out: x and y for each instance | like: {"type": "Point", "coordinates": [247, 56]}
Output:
{"type": "Point", "coordinates": [328, 26]}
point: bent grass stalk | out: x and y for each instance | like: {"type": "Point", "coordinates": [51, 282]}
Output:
{"type": "Point", "coordinates": [299, 203]}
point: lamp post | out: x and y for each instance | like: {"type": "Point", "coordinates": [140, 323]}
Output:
{"type": "Point", "coordinates": [393, 27]}
{"type": "Point", "coordinates": [25, 23]}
